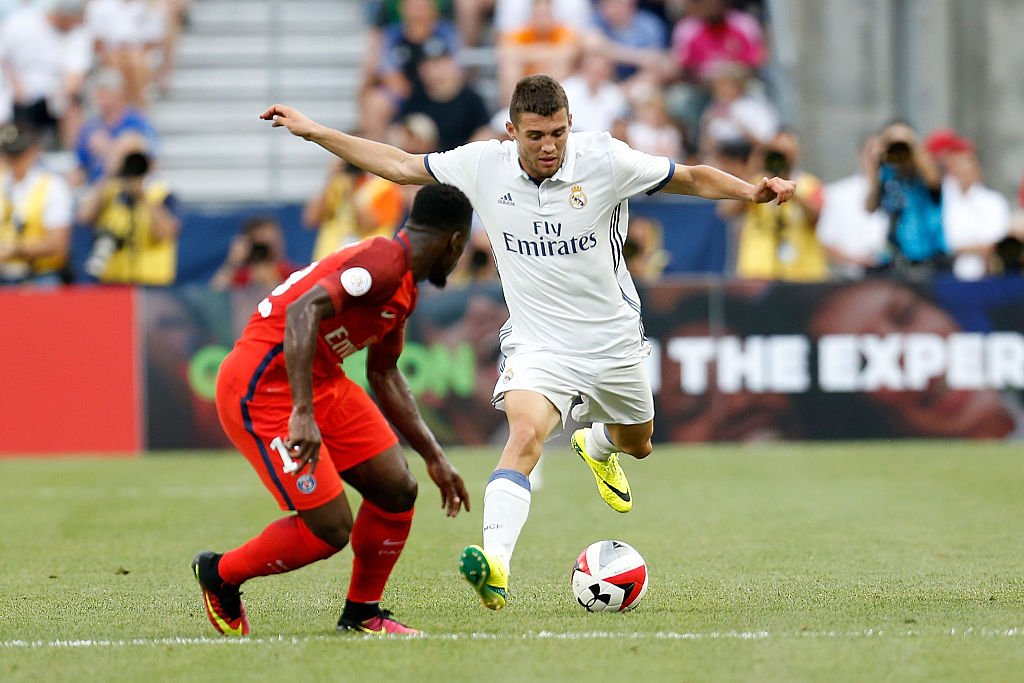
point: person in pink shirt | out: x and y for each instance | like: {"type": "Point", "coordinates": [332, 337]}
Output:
{"type": "Point", "coordinates": [710, 33]}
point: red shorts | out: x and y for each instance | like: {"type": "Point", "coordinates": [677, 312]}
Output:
{"type": "Point", "coordinates": [254, 402]}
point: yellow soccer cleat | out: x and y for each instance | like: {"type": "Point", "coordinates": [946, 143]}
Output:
{"type": "Point", "coordinates": [611, 480]}
{"type": "Point", "coordinates": [487, 575]}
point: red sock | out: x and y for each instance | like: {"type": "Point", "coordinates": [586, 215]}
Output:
{"type": "Point", "coordinates": [284, 545]}
{"type": "Point", "coordinates": [377, 540]}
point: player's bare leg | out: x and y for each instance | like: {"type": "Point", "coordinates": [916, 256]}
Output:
{"type": "Point", "coordinates": [531, 418]}
{"type": "Point", "coordinates": [378, 537]}
{"type": "Point", "coordinates": [599, 445]}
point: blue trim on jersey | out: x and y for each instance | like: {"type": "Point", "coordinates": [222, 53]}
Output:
{"type": "Point", "coordinates": [426, 164]}
{"type": "Point", "coordinates": [663, 183]}
{"type": "Point", "coordinates": [256, 376]}
{"type": "Point", "coordinates": [513, 476]}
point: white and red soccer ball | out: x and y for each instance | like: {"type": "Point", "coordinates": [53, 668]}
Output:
{"type": "Point", "coordinates": [609, 576]}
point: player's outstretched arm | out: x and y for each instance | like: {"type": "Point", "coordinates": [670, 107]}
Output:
{"type": "Point", "coordinates": [378, 158]}
{"type": "Point", "coordinates": [712, 183]}
{"type": "Point", "coordinates": [396, 402]}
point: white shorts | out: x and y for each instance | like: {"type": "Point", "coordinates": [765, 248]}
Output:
{"type": "Point", "coordinates": [608, 390]}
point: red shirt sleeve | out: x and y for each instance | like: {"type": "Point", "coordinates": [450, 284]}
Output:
{"type": "Point", "coordinates": [385, 352]}
{"type": "Point", "coordinates": [367, 276]}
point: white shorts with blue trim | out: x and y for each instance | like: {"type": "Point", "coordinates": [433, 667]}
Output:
{"type": "Point", "coordinates": [608, 390]}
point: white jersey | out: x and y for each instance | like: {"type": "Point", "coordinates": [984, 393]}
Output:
{"type": "Point", "coordinates": [558, 244]}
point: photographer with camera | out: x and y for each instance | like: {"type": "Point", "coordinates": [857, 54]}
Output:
{"type": "Point", "coordinates": [779, 241]}
{"type": "Point", "coordinates": [134, 217]}
{"type": "Point", "coordinates": [35, 213]}
{"type": "Point", "coordinates": [908, 188]}
{"type": "Point", "coordinates": [256, 257]}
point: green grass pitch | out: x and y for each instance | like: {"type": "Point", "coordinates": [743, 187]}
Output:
{"type": "Point", "coordinates": [876, 561]}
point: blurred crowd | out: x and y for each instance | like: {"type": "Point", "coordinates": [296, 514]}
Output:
{"type": "Point", "coordinates": [76, 143]}
{"type": "Point", "coordinates": [695, 80]}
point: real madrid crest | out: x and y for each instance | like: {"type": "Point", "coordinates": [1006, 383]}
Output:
{"type": "Point", "coordinates": [577, 199]}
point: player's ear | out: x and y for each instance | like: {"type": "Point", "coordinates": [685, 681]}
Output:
{"type": "Point", "coordinates": [456, 241]}
{"type": "Point", "coordinates": [510, 129]}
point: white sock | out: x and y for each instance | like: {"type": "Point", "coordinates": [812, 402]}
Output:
{"type": "Point", "coordinates": [598, 445]}
{"type": "Point", "coordinates": [506, 506]}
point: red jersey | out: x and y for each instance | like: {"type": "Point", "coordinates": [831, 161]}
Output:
{"type": "Point", "coordinates": [373, 291]}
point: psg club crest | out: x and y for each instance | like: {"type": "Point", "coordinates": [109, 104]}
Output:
{"type": "Point", "coordinates": [306, 483]}
{"type": "Point", "coordinates": [577, 199]}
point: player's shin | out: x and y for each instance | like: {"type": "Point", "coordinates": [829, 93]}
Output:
{"type": "Point", "coordinates": [378, 537]}
{"type": "Point", "coordinates": [506, 507]}
{"type": "Point", "coordinates": [285, 545]}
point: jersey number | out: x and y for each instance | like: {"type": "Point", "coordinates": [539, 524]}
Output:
{"type": "Point", "coordinates": [265, 306]}
{"type": "Point", "coordinates": [289, 465]}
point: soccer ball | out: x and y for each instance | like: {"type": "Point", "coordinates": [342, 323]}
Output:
{"type": "Point", "coordinates": [609, 576]}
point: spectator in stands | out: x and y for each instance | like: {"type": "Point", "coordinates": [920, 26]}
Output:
{"type": "Point", "coordinates": [514, 15]}
{"type": "Point", "coordinates": [710, 32]}
{"type": "Point", "coordinates": [544, 45]}
{"type": "Point", "coordinates": [455, 106]}
{"type": "Point", "coordinates": [974, 218]}
{"type": "Point", "coordinates": [634, 39]}
{"type": "Point", "coordinates": [331, 211]}
{"type": "Point", "coordinates": [45, 54]}
{"type": "Point", "coordinates": [853, 237]}
{"type": "Point", "coordinates": [125, 31]}
{"type": "Point", "coordinates": [596, 100]}
{"type": "Point", "coordinates": [651, 129]}
{"type": "Point", "coordinates": [733, 114]}
{"type": "Point", "coordinates": [472, 18]}
{"type": "Point", "coordinates": [394, 76]}
{"type": "Point", "coordinates": [779, 242]}
{"type": "Point", "coordinates": [256, 257]}
{"type": "Point", "coordinates": [111, 118]}
{"type": "Point", "coordinates": [908, 187]}
{"type": "Point", "coordinates": [35, 213]}
{"type": "Point", "coordinates": [352, 206]}
{"type": "Point", "coordinates": [644, 250]}
{"type": "Point", "coordinates": [134, 216]}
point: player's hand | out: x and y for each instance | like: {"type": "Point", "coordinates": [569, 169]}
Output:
{"type": "Point", "coordinates": [292, 119]}
{"type": "Point", "coordinates": [453, 490]}
{"type": "Point", "coordinates": [773, 188]}
{"type": "Point", "coordinates": [303, 439]}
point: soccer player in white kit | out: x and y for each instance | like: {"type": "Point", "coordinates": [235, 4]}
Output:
{"type": "Point", "coordinates": [554, 207]}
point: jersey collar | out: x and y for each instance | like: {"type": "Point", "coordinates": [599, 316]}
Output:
{"type": "Point", "coordinates": [403, 239]}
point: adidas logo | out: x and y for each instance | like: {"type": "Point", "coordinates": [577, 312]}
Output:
{"type": "Point", "coordinates": [506, 200]}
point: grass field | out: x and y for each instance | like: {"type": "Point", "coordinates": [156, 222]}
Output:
{"type": "Point", "coordinates": [814, 562]}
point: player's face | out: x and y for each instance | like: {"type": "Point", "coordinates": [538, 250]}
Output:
{"type": "Point", "coordinates": [541, 141]}
{"type": "Point", "coordinates": [883, 308]}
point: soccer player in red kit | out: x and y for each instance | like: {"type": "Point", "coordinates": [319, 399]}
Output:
{"type": "Point", "coordinates": [286, 404]}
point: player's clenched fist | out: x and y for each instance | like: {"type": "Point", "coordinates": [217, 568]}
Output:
{"type": "Point", "coordinates": [773, 188]}
{"type": "Point", "coordinates": [290, 118]}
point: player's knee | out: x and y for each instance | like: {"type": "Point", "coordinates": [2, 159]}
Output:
{"type": "Point", "coordinates": [334, 533]}
{"type": "Point", "coordinates": [525, 438]}
{"type": "Point", "coordinates": [402, 497]}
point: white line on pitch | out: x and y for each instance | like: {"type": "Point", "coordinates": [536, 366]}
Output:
{"type": "Point", "coordinates": [533, 635]}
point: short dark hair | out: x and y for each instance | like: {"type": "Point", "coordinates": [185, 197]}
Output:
{"type": "Point", "coordinates": [537, 94]}
{"type": "Point", "coordinates": [441, 207]}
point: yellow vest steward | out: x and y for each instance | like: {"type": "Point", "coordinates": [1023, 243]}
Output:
{"type": "Point", "coordinates": [32, 230]}
{"type": "Point", "coordinates": [141, 259]}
